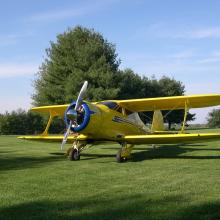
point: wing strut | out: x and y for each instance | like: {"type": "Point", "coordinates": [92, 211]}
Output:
{"type": "Point", "coordinates": [52, 115]}
{"type": "Point", "coordinates": [185, 116]}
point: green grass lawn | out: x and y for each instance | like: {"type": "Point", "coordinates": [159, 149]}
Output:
{"type": "Point", "coordinates": [169, 182]}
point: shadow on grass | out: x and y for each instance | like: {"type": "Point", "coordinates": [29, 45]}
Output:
{"type": "Point", "coordinates": [6, 151]}
{"type": "Point", "coordinates": [19, 163]}
{"type": "Point", "coordinates": [171, 151]}
{"type": "Point", "coordinates": [133, 207]}
{"type": "Point", "coordinates": [91, 156]}
{"type": "Point", "coordinates": [149, 146]}
{"type": "Point", "coordinates": [58, 153]}
{"type": "Point", "coordinates": [10, 162]}
{"type": "Point", "coordinates": [165, 151]}
{"type": "Point", "coordinates": [87, 156]}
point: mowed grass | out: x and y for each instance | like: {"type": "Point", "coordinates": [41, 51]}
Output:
{"type": "Point", "coordinates": [169, 182]}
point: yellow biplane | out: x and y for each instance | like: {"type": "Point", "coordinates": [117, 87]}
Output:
{"type": "Point", "coordinates": [118, 121]}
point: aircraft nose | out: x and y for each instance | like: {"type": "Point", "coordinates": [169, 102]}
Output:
{"type": "Point", "coordinates": [71, 114]}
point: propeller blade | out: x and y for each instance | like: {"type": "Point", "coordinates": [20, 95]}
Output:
{"type": "Point", "coordinates": [66, 136]}
{"type": "Point", "coordinates": [72, 114]}
{"type": "Point", "coordinates": [81, 95]}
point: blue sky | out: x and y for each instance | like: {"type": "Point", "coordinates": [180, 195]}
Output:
{"type": "Point", "coordinates": [180, 39]}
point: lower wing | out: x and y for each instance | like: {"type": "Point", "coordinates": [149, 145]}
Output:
{"type": "Point", "coordinates": [136, 139]}
{"type": "Point", "coordinates": [170, 138]}
{"type": "Point", "coordinates": [53, 138]}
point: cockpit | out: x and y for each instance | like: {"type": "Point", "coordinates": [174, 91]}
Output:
{"type": "Point", "coordinates": [114, 106]}
{"type": "Point", "coordinates": [131, 116]}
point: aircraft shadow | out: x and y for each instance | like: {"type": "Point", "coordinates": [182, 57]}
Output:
{"type": "Point", "coordinates": [58, 153]}
{"type": "Point", "coordinates": [162, 151]}
{"type": "Point", "coordinates": [149, 146]}
{"type": "Point", "coordinates": [172, 151]}
{"type": "Point", "coordinates": [91, 156]}
{"type": "Point", "coordinates": [139, 154]}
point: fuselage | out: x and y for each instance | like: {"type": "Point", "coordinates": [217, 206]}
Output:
{"type": "Point", "coordinates": [109, 122]}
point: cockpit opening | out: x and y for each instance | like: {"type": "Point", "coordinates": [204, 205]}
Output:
{"type": "Point", "coordinates": [114, 106]}
{"type": "Point", "coordinates": [110, 105]}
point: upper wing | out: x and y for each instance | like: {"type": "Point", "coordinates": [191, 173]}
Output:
{"type": "Point", "coordinates": [148, 104]}
{"type": "Point", "coordinates": [170, 138]}
{"type": "Point", "coordinates": [169, 103]}
{"type": "Point", "coordinates": [55, 110]}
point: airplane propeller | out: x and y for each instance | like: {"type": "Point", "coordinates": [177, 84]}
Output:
{"type": "Point", "coordinates": [71, 114]}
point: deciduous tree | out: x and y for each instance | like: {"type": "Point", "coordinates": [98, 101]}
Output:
{"type": "Point", "coordinates": [214, 118]}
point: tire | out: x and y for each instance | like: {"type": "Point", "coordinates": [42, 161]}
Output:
{"type": "Point", "coordinates": [119, 158]}
{"type": "Point", "coordinates": [74, 154]}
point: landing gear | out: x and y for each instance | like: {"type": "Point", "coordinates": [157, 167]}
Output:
{"type": "Point", "coordinates": [124, 153]}
{"type": "Point", "coordinates": [153, 146]}
{"type": "Point", "coordinates": [73, 153]}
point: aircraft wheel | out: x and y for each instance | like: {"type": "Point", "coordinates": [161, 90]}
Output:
{"type": "Point", "coordinates": [74, 154]}
{"type": "Point", "coordinates": [119, 158]}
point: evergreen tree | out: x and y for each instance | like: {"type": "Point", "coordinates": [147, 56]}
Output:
{"type": "Point", "coordinates": [78, 54]}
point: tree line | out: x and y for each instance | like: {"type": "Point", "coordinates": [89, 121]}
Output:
{"type": "Point", "coordinates": [81, 54]}
{"type": "Point", "coordinates": [26, 122]}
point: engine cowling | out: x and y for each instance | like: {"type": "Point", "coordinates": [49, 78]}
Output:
{"type": "Point", "coordinates": [85, 117]}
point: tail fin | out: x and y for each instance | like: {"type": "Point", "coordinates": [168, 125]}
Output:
{"type": "Point", "coordinates": [158, 123]}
